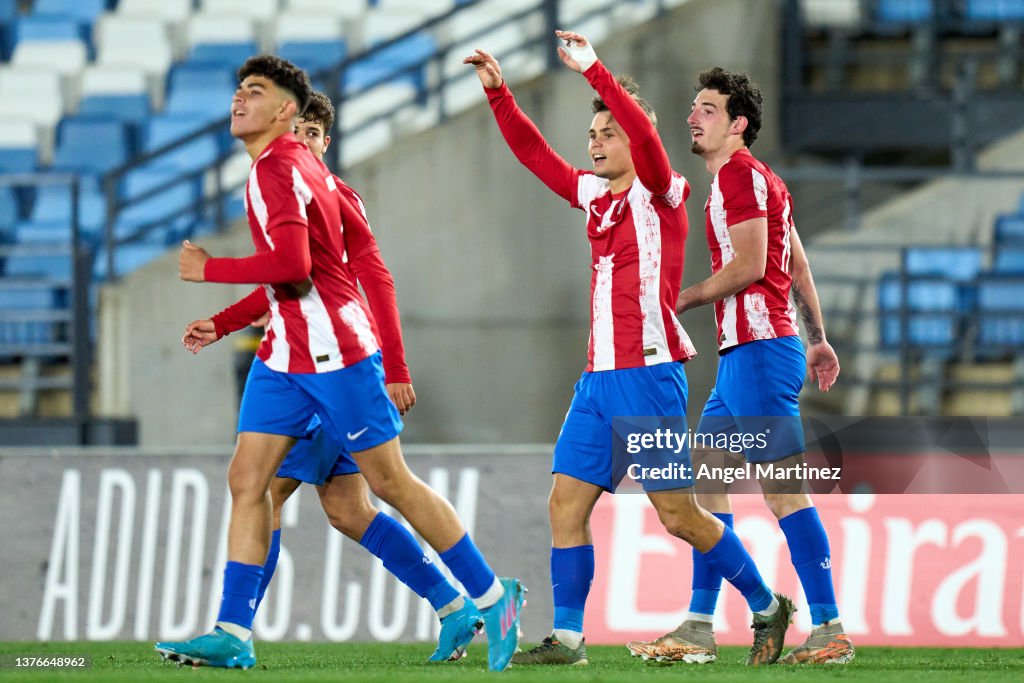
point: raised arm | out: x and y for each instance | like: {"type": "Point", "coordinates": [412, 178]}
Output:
{"type": "Point", "coordinates": [822, 362]}
{"type": "Point", "coordinates": [649, 156]}
{"type": "Point", "coordinates": [522, 136]}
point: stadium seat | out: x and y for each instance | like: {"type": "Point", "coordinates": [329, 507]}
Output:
{"type": "Point", "coordinates": [381, 24]}
{"type": "Point", "coordinates": [35, 28]}
{"type": "Point", "coordinates": [932, 305]}
{"type": "Point", "coordinates": [34, 96]}
{"type": "Point", "coordinates": [50, 217]}
{"type": "Point", "coordinates": [66, 57]}
{"type": "Point", "coordinates": [327, 8]}
{"type": "Point", "coordinates": [189, 156]}
{"type": "Point", "coordinates": [132, 41]}
{"type": "Point", "coordinates": [1010, 260]}
{"type": "Point", "coordinates": [1000, 314]}
{"type": "Point", "coordinates": [53, 262]}
{"type": "Point", "coordinates": [994, 10]}
{"type": "Point", "coordinates": [957, 263]}
{"type": "Point", "coordinates": [382, 99]}
{"type": "Point", "coordinates": [18, 146]}
{"type": "Point", "coordinates": [223, 39]}
{"type": "Point", "coordinates": [29, 305]}
{"type": "Point", "coordinates": [9, 213]}
{"type": "Point", "coordinates": [905, 11]}
{"type": "Point", "coordinates": [162, 214]}
{"type": "Point", "coordinates": [128, 257]}
{"type": "Point", "coordinates": [116, 92]}
{"type": "Point", "coordinates": [1009, 230]}
{"type": "Point", "coordinates": [262, 10]}
{"type": "Point", "coordinates": [201, 90]}
{"type": "Point", "coordinates": [82, 11]}
{"type": "Point", "coordinates": [313, 56]}
{"type": "Point", "coordinates": [174, 11]}
{"type": "Point", "coordinates": [404, 60]}
{"type": "Point", "coordinates": [89, 145]}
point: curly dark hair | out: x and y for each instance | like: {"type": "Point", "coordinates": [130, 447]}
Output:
{"type": "Point", "coordinates": [597, 104]}
{"type": "Point", "coordinates": [284, 75]}
{"type": "Point", "coordinates": [319, 110]}
{"type": "Point", "coordinates": [745, 98]}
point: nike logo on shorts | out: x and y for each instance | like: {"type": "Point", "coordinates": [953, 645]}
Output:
{"type": "Point", "coordinates": [353, 437]}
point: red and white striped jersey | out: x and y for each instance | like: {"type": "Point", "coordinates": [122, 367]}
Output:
{"type": "Point", "coordinates": [318, 320]}
{"type": "Point", "coordinates": [636, 237]}
{"type": "Point", "coordinates": [744, 188]}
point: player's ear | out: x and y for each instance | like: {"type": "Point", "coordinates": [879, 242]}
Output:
{"type": "Point", "coordinates": [327, 142]}
{"type": "Point", "coordinates": [289, 109]}
{"type": "Point", "coordinates": [739, 124]}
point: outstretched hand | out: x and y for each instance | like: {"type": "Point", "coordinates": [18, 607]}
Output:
{"type": "Point", "coordinates": [487, 68]}
{"type": "Point", "coordinates": [578, 54]}
{"type": "Point", "coordinates": [823, 364]}
{"type": "Point", "coordinates": [199, 333]}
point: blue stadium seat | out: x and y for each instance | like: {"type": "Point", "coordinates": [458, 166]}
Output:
{"type": "Point", "coordinates": [82, 11]}
{"type": "Point", "coordinates": [32, 27]}
{"type": "Point", "coordinates": [165, 214]}
{"type": "Point", "coordinates": [932, 304]}
{"type": "Point", "coordinates": [994, 10]}
{"type": "Point", "coordinates": [1010, 261]}
{"type": "Point", "coordinates": [386, 64]}
{"type": "Point", "coordinates": [50, 218]}
{"type": "Point", "coordinates": [90, 145]}
{"type": "Point", "coordinates": [201, 90]}
{"type": "Point", "coordinates": [31, 261]}
{"type": "Point", "coordinates": [905, 11]}
{"type": "Point", "coordinates": [17, 159]}
{"type": "Point", "coordinates": [1009, 229]}
{"type": "Point", "coordinates": [31, 304]}
{"type": "Point", "coordinates": [231, 55]}
{"type": "Point", "coordinates": [313, 56]}
{"type": "Point", "coordinates": [133, 109]}
{"type": "Point", "coordinates": [190, 156]}
{"type": "Point", "coordinates": [128, 257]}
{"type": "Point", "coordinates": [8, 10]}
{"type": "Point", "coordinates": [956, 263]}
{"type": "Point", "coordinates": [1000, 314]}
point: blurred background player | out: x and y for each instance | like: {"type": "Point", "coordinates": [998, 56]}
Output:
{"type": "Point", "coordinates": [636, 226]}
{"type": "Point", "coordinates": [319, 355]}
{"type": "Point", "coordinates": [322, 460]}
{"type": "Point", "coordinates": [756, 259]}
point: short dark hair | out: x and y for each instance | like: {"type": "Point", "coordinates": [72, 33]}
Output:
{"type": "Point", "coordinates": [319, 110]}
{"type": "Point", "coordinates": [745, 98]}
{"type": "Point", "coordinates": [597, 105]}
{"type": "Point", "coordinates": [284, 75]}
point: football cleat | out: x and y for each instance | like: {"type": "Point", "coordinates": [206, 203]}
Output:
{"type": "Point", "coordinates": [825, 645]}
{"type": "Point", "coordinates": [216, 648]}
{"type": "Point", "coordinates": [693, 642]}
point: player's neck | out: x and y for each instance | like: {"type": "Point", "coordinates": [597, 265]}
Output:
{"type": "Point", "coordinates": [622, 183]}
{"type": "Point", "coordinates": [258, 142]}
{"type": "Point", "coordinates": [716, 161]}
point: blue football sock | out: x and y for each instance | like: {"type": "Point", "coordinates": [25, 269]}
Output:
{"type": "Point", "coordinates": [269, 566]}
{"type": "Point", "coordinates": [808, 548]}
{"type": "Point", "coordinates": [730, 559]}
{"type": "Point", "coordinates": [572, 572]}
{"type": "Point", "coordinates": [238, 600]}
{"type": "Point", "coordinates": [469, 566]}
{"type": "Point", "coordinates": [403, 557]}
{"type": "Point", "coordinates": [707, 583]}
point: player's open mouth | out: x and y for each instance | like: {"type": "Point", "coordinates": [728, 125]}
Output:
{"type": "Point", "coordinates": [598, 158]}
{"type": "Point", "coordinates": [696, 133]}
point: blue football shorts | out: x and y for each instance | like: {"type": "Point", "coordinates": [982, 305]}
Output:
{"type": "Point", "coordinates": [317, 457]}
{"type": "Point", "coordinates": [590, 445]}
{"type": "Point", "coordinates": [352, 403]}
{"type": "Point", "coordinates": [757, 392]}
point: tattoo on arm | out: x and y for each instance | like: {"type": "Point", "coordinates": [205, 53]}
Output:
{"type": "Point", "coordinates": [814, 332]}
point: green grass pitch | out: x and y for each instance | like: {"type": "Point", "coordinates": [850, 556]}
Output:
{"type": "Point", "coordinates": [400, 663]}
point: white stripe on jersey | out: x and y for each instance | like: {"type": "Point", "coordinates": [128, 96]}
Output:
{"type": "Point", "coordinates": [355, 317]}
{"type": "Point", "coordinates": [758, 320]}
{"type": "Point", "coordinates": [320, 332]}
{"type": "Point", "coordinates": [280, 352]}
{"type": "Point", "coordinates": [648, 242]}
{"type": "Point", "coordinates": [603, 328]}
{"type": "Point", "coordinates": [301, 190]}
{"type": "Point", "coordinates": [760, 189]}
{"type": "Point", "coordinates": [787, 247]}
{"type": "Point", "coordinates": [674, 197]}
{"type": "Point", "coordinates": [259, 207]}
{"type": "Point", "coordinates": [729, 337]}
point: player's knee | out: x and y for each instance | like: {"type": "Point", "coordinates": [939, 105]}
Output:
{"type": "Point", "coordinates": [785, 504]}
{"type": "Point", "coordinates": [246, 486]}
{"type": "Point", "coordinates": [353, 518]}
{"type": "Point", "coordinates": [682, 521]}
{"type": "Point", "coordinates": [566, 514]}
{"type": "Point", "coordinates": [389, 487]}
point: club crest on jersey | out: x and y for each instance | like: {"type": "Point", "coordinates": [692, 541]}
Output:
{"type": "Point", "coordinates": [611, 216]}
